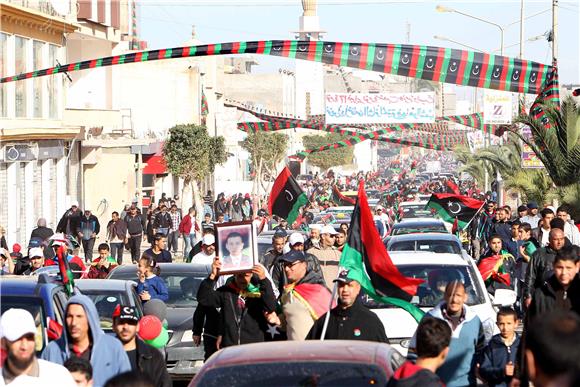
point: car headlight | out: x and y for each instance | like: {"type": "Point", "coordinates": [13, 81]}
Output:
{"type": "Point", "coordinates": [405, 343]}
{"type": "Point", "coordinates": [187, 337]}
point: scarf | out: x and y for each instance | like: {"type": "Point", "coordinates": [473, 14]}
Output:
{"type": "Point", "coordinates": [251, 291]}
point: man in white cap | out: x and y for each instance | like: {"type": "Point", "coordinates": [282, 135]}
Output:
{"type": "Point", "coordinates": [326, 250]}
{"type": "Point", "coordinates": [36, 258]}
{"type": "Point", "coordinates": [21, 367]}
{"type": "Point", "coordinates": [207, 253]}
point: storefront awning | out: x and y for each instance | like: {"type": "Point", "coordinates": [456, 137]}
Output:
{"type": "Point", "coordinates": [155, 165]}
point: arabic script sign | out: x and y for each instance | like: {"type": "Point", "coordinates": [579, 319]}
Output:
{"type": "Point", "coordinates": [342, 108]}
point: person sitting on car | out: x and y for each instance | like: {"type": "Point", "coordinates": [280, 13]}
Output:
{"type": "Point", "coordinates": [103, 264]}
{"type": "Point", "coordinates": [150, 286]}
{"type": "Point", "coordinates": [350, 319]}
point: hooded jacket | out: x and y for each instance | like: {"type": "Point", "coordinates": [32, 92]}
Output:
{"type": "Point", "coordinates": [108, 357]}
{"type": "Point", "coordinates": [411, 375]}
{"type": "Point", "coordinates": [494, 359]}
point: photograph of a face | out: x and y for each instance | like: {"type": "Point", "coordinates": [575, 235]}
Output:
{"type": "Point", "coordinates": [236, 246]}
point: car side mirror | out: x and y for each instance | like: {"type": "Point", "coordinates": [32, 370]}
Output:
{"type": "Point", "coordinates": [504, 297]}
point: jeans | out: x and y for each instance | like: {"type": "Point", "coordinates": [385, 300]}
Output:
{"type": "Point", "coordinates": [135, 247]}
{"type": "Point", "coordinates": [172, 240]}
{"type": "Point", "coordinates": [88, 245]}
{"type": "Point", "coordinates": [117, 252]}
{"type": "Point", "coordinates": [189, 242]}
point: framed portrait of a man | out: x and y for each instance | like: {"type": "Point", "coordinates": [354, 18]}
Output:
{"type": "Point", "coordinates": [236, 246]}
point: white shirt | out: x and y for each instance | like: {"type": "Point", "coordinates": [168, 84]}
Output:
{"type": "Point", "coordinates": [203, 258]}
{"type": "Point", "coordinates": [50, 374]}
{"type": "Point", "coordinates": [545, 237]}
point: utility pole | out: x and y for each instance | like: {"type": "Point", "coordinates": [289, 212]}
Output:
{"type": "Point", "coordinates": [554, 30]}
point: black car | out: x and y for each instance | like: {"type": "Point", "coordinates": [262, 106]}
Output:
{"type": "Point", "coordinates": [182, 279]}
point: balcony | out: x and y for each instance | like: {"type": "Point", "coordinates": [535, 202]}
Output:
{"type": "Point", "coordinates": [59, 8]}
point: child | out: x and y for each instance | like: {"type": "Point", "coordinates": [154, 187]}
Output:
{"type": "Point", "coordinates": [102, 266]}
{"type": "Point", "coordinates": [16, 254]}
{"type": "Point", "coordinates": [499, 356]}
{"type": "Point", "coordinates": [150, 286]}
{"type": "Point", "coordinates": [432, 345]}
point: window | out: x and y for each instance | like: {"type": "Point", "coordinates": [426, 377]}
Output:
{"type": "Point", "coordinates": [52, 85]}
{"type": "Point", "coordinates": [20, 86]}
{"type": "Point", "coordinates": [37, 82]}
{"type": "Point", "coordinates": [4, 71]}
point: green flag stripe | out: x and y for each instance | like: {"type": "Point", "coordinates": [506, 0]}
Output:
{"type": "Point", "coordinates": [293, 214]}
{"type": "Point", "coordinates": [442, 212]}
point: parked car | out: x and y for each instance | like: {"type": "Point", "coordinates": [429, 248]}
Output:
{"type": "Point", "coordinates": [437, 270]}
{"type": "Point", "coordinates": [43, 296]}
{"type": "Point", "coordinates": [107, 295]}
{"type": "Point", "coordinates": [183, 358]}
{"type": "Point", "coordinates": [301, 363]}
{"type": "Point", "coordinates": [433, 242]}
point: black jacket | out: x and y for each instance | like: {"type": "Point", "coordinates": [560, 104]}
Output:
{"type": "Point", "coordinates": [551, 296]}
{"type": "Point", "coordinates": [135, 224]}
{"type": "Point", "coordinates": [41, 232]}
{"type": "Point", "coordinates": [206, 320]}
{"type": "Point", "coordinates": [354, 323]}
{"type": "Point", "coordinates": [269, 258]}
{"type": "Point", "coordinates": [279, 275]}
{"type": "Point", "coordinates": [495, 357]}
{"type": "Point", "coordinates": [72, 218]}
{"type": "Point", "coordinates": [90, 223]}
{"type": "Point", "coordinates": [162, 220]}
{"type": "Point", "coordinates": [239, 325]}
{"type": "Point", "coordinates": [539, 269]}
{"type": "Point", "coordinates": [150, 362]}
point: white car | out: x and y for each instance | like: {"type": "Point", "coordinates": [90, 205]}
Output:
{"type": "Point", "coordinates": [437, 268]}
{"type": "Point", "coordinates": [416, 209]}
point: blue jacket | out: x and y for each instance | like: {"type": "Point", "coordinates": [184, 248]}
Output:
{"type": "Point", "coordinates": [156, 288]}
{"type": "Point", "coordinates": [496, 356]}
{"type": "Point", "coordinates": [108, 357]}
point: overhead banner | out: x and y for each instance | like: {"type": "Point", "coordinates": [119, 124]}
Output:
{"type": "Point", "coordinates": [343, 108]}
{"type": "Point", "coordinates": [497, 107]}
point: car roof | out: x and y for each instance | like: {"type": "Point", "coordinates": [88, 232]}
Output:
{"type": "Point", "coordinates": [426, 258]}
{"type": "Point", "coordinates": [423, 237]}
{"type": "Point", "coordinates": [411, 222]}
{"type": "Point", "coordinates": [22, 285]}
{"type": "Point", "coordinates": [413, 203]}
{"type": "Point", "coordinates": [166, 267]}
{"type": "Point", "coordinates": [110, 284]}
{"type": "Point", "coordinates": [313, 350]}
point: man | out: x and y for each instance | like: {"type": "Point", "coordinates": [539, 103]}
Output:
{"type": "Point", "coordinates": [340, 240]}
{"type": "Point", "coordinates": [570, 230]}
{"type": "Point", "coordinates": [20, 367]}
{"type": "Point", "coordinates": [173, 236]}
{"type": "Point", "coordinates": [552, 350]}
{"type": "Point", "coordinates": [117, 235]}
{"type": "Point", "coordinates": [433, 338]}
{"type": "Point", "coordinates": [501, 226]}
{"type": "Point", "coordinates": [542, 232]}
{"type": "Point", "coordinates": [83, 337]}
{"type": "Point", "coordinates": [69, 222]}
{"type": "Point", "coordinates": [157, 251]}
{"type": "Point", "coordinates": [87, 232]}
{"type": "Point", "coordinates": [278, 241]}
{"type": "Point", "coordinates": [6, 263]}
{"type": "Point", "coordinates": [532, 218]}
{"type": "Point", "coordinates": [207, 253]}
{"type": "Point", "coordinates": [81, 371]}
{"type": "Point", "coordinates": [538, 270]}
{"type": "Point", "coordinates": [305, 298]}
{"type": "Point", "coordinates": [349, 320]}
{"type": "Point", "coordinates": [467, 340]}
{"type": "Point", "coordinates": [244, 300]}
{"type": "Point", "coordinates": [314, 239]}
{"type": "Point", "coordinates": [143, 358]}
{"type": "Point", "coordinates": [162, 221]}
{"type": "Point", "coordinates": [41, 231]}
{"type": "Point", "coordinates": [522, 213]}
{"type": "Point", "coordinates": [188, 228]}
{"type": "Point", "coordinates": [235, 258]}
{"type": "Point", "coordinates": [561, 290]}
{"type": "Point", "coordinates": [135, 230]}
{"type": "Point", "coordinates": [36, 258]}
{"type": "Point", "coordinates": [325, 251]}
{"type": "Point", "coordinates": [103, 264]}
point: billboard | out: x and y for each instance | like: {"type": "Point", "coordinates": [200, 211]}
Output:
{"type": "Point", "coordinates": [529, 158]}
{"type": "Point", "coordinates": [371, 108]}
{"type": "Point", "coordinates": [497, 107]}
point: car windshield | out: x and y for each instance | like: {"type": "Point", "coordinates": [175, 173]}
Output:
{"type": "Point", "coordinates": [417, 229]}
{"type": "Point", "coordinates": [435, 246]}
{"type": "Point", "coordinates": [415, 211]}
{"type": "Point", "coordinates": [436, 277]}
{"type": "Point", "coordinates": [106, 301]}
{"type": "Point", "coordinates": [312, 373]}
{"type": "Point", "coordinates": [34, 306]}
{"type": "Point", "coordinates": [182, 286]}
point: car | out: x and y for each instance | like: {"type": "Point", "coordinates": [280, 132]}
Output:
{"type": "Point", "coordinates": [183, 279]}
{"type": "Point", "coordinates": [437, 270]}
{"type": "Point", "coordinates": [107, 295]}
{"type": "Point", "coordinates": [434, 242]}
{"type": "Point", "coordinates": [264, 240]}
{"type": "Point", "coordinates": [417, 226]}
{"type": "Point", "coordinates": [301, 363]}
{"type": "Point", "coordinates": [416, 209]}
{"type": "Point", "coordinates": [43, 296]}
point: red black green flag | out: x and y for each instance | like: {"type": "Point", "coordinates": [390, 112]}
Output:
{"type": "Point", "coordinates": [368, 262]}
{"type": "Point", "coordinates": [341, 199]}
{"type": "Point", "coordinates": [286, 197]}
{"type": "Point", "coordinates": [204, 105]}
{"type": "Point", "coordinates": [450, 207]}
{"type": "Point", "coordinates": [65, 271]}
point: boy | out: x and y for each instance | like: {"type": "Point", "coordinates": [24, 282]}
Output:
{"type": "Point", "coordinates": [499, 356]}
{"type": "Point", "coordinates": [102, 266]}
{"type": "Point", "coordinates": [81, 371]}
{"type": "Point", "coordinates": [432, 346]}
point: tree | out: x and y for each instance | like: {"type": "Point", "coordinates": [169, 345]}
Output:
{"type": "Point", "coordinates": [266, 151]}
{"type": "Point", "coordinates": [192, 154]}
{"type": "Point", "coordinates": [331, 157]}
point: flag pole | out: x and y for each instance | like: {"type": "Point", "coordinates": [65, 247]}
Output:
{"type": "Point", "coordinates": [474, 216]}
{"type": "Point", "coordinates": [327, 318]}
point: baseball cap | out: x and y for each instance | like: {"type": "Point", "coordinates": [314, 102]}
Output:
{"type": "Point", "coordinates": [379, 208]}
{"type": "Point", "coordinates": [125, 313]}
{"type": "Point", "coordinates": [208, 239]}
{"type": "Point", "coordinates": [343, 277]}
{"type": "Point", "coordinates": [522, 208]}
{"type": "Point", "coordinates": [280, 232]}
{"type": "Point", "coordinates": [17, 323]}
{"type": "Point", "coordinates": [74, 203]}
{"type": "Point", "coordinates": [533, 205]}
{"type": "Point", "coordinates": [35, 252]}
{"type": "Point", "coordinates": [328, 230]}
{"type": "Point", "coordinates": [295, 238]}
{"type": "Point", "coordinates": [293, 256]}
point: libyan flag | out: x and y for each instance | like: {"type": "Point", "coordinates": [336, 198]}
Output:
{"type": "Point", "coordinates": [452, 207]}
{"type": "Point", "coordinates": [286, 197]}
{"type": "Point", "coordinates": [65, 271]}
{"type": "Point", "coordinates": [365, 257]}
{"type": "Point", "coordinates": [341, 199]}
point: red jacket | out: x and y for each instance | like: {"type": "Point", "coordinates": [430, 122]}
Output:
{"type": "Point", "coordinates": [186, 224]}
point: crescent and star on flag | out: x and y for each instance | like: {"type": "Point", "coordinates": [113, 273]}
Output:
{"type": "Point", "coordinates": [451, 205]}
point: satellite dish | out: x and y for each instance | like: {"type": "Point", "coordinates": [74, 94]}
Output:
{"type": "Point", "coordinates": [62, 7]}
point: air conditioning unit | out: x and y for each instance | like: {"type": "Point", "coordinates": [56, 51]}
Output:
{"type": "Point", "coordinates": [20, 152]}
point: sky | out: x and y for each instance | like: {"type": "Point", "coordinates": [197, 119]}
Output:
{"type": "Point", "coordinates": [169, 24]}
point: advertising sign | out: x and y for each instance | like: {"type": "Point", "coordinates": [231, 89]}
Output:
{"type": "Point", "coordinates": [497, 107]}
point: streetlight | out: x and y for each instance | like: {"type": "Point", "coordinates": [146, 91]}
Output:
{"type": "Point", "coordinates": [446, 39]}
{"type": "Point", "coordinates": [441, 8]}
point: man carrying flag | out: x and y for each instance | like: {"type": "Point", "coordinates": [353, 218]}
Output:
{"type": "Point", "coordinates": [286, 197]}
{"type": "Point", "coordinates": [455, 208]}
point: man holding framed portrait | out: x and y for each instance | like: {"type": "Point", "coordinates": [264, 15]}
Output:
{"type": "Point", "coordinates": [236, 246]}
